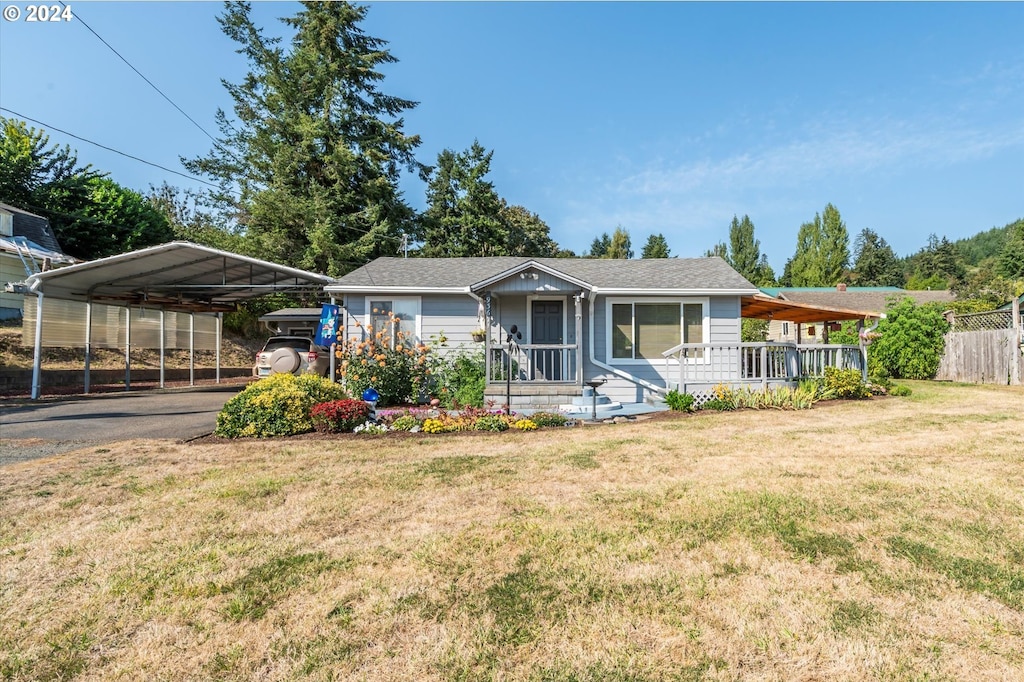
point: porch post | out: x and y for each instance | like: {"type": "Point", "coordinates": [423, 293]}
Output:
{"type": "Point", "coordinates": [764, 366]}
{"type": "Point", "coordinates": [863, 351]}
{"type": "Point", "coordinates": [578, 302]}
{"type": "Point", "coordinates": [487, 339]}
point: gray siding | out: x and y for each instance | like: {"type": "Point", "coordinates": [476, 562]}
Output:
{"type": "Point", "coordinates": [455, 316]}
{"type": "Point", "coordinates": [725, 319]}
{"type": "Point", "coordinates": [544, 284]}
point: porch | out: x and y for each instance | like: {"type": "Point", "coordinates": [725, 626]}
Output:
{"type": "Point", "coordinates": [696, 367]}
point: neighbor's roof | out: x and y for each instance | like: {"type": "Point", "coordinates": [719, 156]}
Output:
{"type": "Point", "coordinates": [857, 298]}
{"type": "Point", "coordinates": [33, 227]}
{"type": "Point", "coordinates": [176, 276]}
{"type": "Point", "coordinates": [604, 275]}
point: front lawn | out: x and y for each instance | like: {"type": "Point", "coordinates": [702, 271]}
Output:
{"type": "Point", "coordinates": [860, 540]}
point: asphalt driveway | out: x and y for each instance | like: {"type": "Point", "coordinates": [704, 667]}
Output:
{"type": "Point", "coordinates": [49, 427]}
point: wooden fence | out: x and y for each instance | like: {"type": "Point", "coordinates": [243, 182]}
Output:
{"type": "Point", "coordinates": [983, 357]}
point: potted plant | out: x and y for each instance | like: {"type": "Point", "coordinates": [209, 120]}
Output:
{"type": "Point", "coordinates": [478, 335]}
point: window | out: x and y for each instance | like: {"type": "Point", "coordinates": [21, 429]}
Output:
{"type": "Point", "coordinates": [390, 316]}
{"type": "Point", "coordinates": [6, 224]}
{"type": "Point", "coordinates": [643, 330]}
{"type": "Point", "coordinates": [785, 329]}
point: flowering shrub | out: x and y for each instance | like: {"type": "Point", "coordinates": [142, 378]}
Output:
{"type": "Point", "coordinates": [525, 425]}
{"type": "Point", "coordinates": [371, 428]}
{"type": "Point", "coordinates": [551, 419]}
{"type": "Point", "coordinates": [279, 405]}
{"type": "Point", "coordinates": [339, 416]}
{"type": "Point", "coordinates": [387, 359]}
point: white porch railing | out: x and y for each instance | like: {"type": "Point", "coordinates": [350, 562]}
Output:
{"type": "Point", "coordinates": [754, 363]}
{"type": "Point", "coordinates": [534, 362]}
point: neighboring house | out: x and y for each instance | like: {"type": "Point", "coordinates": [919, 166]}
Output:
{"type": "Point", "coordinates": [292, 321]}
{"type": "Point", "coordinates": [842, 297]}
{"type": "Point", "coordinates": [580, 319]}
{"type": "Point", "coordinates": [27, 246]}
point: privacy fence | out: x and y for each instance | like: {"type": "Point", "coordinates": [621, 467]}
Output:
{"type": "Point", "coordinates": [984, 348]}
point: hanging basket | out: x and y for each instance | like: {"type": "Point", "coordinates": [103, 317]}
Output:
{"type": "Point", "coordinates": [479, 336]}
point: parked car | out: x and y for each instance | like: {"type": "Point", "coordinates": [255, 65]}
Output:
{"type": "Point", "coordinates": [291, 355]}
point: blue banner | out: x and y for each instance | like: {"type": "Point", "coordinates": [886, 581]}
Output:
{"type": "Point", "coordinates": [327, 330]}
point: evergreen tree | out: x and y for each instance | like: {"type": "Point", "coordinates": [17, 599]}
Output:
{"type": "Point", "coordinates": [744, 253]}
{"type": "Point", "coordinates": [937, 266]}
{"type": "Point", "coordinates": [310, 164]}
{"type": "Point", "coordinates": [620, 245]}
{"type": "Point", "coordinates": [656, 247]}
{"type": "Point", "coordinates": [599, 247]}
{"type": "Point", "coordinates": [463, 210]}
{"type": "Point", "coordinates": [1011, 258]}
{"type": "Point", "coordinates": [874, 262]}
{"type": "Point", "coordinates": [822, 251]}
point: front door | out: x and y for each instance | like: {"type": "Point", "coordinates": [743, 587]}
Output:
{"type": "Point", "coordinates": [546, 329]}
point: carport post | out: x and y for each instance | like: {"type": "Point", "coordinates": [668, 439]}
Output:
{"type": "Point", "coordinates": [162, 348]}
{"type": "Point", "coordinates": [88, 343]}
{"type": "Point", "coordinates": [37, 353]}
{"type": "Point", "coordinates": [127, 348]}
{"type": "Point", "coordinates": [220, 318]}
{"type": "Point", "coordinates": [191, 349]}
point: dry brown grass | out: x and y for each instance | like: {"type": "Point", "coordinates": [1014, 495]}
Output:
{"type": "Point", "coordinates": [860, 541]}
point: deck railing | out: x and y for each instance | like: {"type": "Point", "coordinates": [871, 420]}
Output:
{"type": "Point", "coordinates": [754, 363]}
{"type": "Point", "coordinates": [534, 362]}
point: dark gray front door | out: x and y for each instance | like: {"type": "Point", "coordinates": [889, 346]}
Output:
{"type": "Point", "coordinates": [546, 328]}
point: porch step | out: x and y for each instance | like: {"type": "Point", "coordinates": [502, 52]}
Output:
{"type": "Point", "coordinates": [533, 396]}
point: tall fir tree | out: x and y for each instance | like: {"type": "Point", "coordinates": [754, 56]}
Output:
{"type": "Point", "coordinates": [822, 251]}
{"type": "Point", "coordinates": [463, 209]}
{"type": "Point", "coordinates": [875, 264]}
{"type": "Point", "coordinates": [656, 247]}
{"type": "Point", "coordinates": [310, 163]}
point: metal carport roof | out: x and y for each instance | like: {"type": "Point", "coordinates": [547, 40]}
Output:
{"type": "Point", "coordinates": [179, 276]}
{"type": "Point", "coordinates": [175, 276]}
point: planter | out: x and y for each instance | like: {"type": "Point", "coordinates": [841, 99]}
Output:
{"type": "Point", "coordinates": [479, 336]}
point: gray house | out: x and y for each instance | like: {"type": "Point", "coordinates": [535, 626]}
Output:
{"type": "Point", "coordinates": [642, 326]}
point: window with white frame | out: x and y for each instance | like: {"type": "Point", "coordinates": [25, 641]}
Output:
{"type": "Point", "coordinates": [389, 319]}
{"type": "Point", "coordinates": [643, 330]}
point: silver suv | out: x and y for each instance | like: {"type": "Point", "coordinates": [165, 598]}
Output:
{"type": "Point", "coordinates": [291, 355]}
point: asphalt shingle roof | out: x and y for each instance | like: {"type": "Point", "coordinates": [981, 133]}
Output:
{"type": "Point", "coordinates": [651, 273]}
{"type": "Point", "coordinates": [863, 300]}
{"type": "Point", "coordinates": [32, 227]}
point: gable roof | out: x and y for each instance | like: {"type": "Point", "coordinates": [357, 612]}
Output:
{"type": "Point", "coordinates": [35, 228]}
{"type": "Point", "coordinates": [603, 275]}
{"type": "Point", "coordinates": [176, 276]}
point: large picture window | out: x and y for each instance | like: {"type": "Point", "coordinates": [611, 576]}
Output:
{"type": "Point", "coordinates": [642, 330]}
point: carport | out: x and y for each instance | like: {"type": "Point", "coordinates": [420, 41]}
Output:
{"type": "Point", "coordinates": [179, 278]}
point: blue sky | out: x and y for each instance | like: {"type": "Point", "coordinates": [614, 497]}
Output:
{"type": "Point", "coordinates": [660, 117]}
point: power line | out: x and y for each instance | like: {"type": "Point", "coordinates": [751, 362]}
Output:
{"type": "Point", "coordinates": [161, 92]}
{"type": "Point", "coordinates": [111, 149]}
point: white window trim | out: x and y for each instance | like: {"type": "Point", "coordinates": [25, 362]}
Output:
{"type": "Point", "coordinates": [704, 301]}
{"type": "Point", "coordinates": [368, 310]}
{"type": "Point", "coordinates": [529, 315]}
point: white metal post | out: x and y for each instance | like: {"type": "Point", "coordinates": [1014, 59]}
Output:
{"type": "Point", "coordinates": [37, 353]}
{"type": "Point", "coordinates": [127, 349]}
{"type": "Point", "coordinates": [88, 343]}
{"type": "Point", "coordinates": [191, 349]}
{"type": "Point", "coordinates": [162, 348]}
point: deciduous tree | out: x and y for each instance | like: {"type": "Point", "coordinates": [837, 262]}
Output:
{"type": "Point", "coordinates": [822, 251]}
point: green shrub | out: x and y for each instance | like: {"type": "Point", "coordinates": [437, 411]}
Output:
{"type": "Point", "coordinates": [911, 342]}
{"type": "Point", "coordinates": [339, 416]}
{"type": "Point", "coordinates": [679, 402]}
{"type": "Point", "coordinates": [900, 390]}
{"type": "Point", "coordinates": [406, 423]}
{"type": "Point", "coordinates": [279, 405]}
{"type": "Point", "coordinates": [718, 405]}
{"type": "Point", "coordinates": [845, 383]}
{"type": "Point", "coordinates": [491, 423]}
{"type": "Point", "coordinates": [459, 380]}
{"type": "Point", "coordinates": [386, 359]}
{"type": "Point", "coordinates": [550, 419]}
